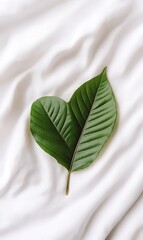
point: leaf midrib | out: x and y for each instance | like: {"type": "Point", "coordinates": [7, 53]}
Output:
{"type": "Point", "coordinates": [56, 128]}
{"type": "Point", "coordinates": [75, 151]}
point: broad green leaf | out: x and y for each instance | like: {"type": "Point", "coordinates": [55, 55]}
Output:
{"type": "Point", "coordinates": [74, 133]}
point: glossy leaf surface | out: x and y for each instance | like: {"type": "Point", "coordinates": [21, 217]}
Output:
{"type": "Point", "coordinates": [74, 133]}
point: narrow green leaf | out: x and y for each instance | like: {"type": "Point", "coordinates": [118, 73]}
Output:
{"type": "Point", "coordinates": [74, 133]}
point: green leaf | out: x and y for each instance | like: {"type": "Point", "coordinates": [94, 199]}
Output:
{"type": "Point", "coordinates": [74, 133]}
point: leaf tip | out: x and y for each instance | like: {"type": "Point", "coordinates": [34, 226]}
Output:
{"type": "Point", "coordinates": [104, 69]}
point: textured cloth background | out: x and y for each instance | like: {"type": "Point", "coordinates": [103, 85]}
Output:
{"type": "Point", "coordinates": [51, 47]}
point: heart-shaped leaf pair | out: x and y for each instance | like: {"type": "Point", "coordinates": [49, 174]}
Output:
{"type": "Point", "coordinates": [74, 133]}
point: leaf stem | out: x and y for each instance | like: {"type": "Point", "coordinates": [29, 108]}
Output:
{"type": "Point", "coordinates": [68, 183]}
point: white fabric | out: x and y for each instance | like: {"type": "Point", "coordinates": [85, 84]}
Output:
{"type": "Point", "coordinates": [51, 47]}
